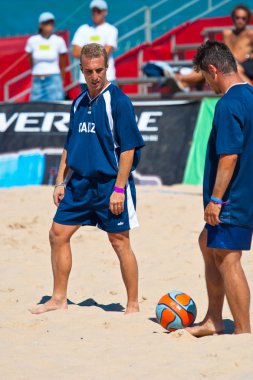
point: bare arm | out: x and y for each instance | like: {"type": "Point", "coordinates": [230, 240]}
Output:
{"type": "Point", "coordinates": [251, 40]}
{"type": "Point", "coordinates": [117, 199]}
{"type": "Point", "coordinates": [62, 174]}
{"type": "Point", "coordinates": [30, 59]}
{"type": "Point", "coordinates": [109, 49]}
{"type": "Point", "coordinates": [62, 64]}
{"type": "Point", "coordinates": [76, 51]}
{"type": "Point", "coordinates": [225, 172]}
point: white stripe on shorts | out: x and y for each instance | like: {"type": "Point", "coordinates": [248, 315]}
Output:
{"type": "Point", "coordinates": [132, 216]}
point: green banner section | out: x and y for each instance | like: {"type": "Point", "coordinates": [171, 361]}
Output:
{"type": "Point", "coordinates": [194, 170]}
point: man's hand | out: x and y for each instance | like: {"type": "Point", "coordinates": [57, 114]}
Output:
{"type": "Point", "coordinates": [117, 203]}
{"type": "Point", "coordinates": [212, 212]}
{"type": "Point", "coordinates": [58, 195]}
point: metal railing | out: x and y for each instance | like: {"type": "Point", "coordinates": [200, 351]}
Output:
{"type": "Point", "coordinates": [147, 27]}
{"type": "Point", "coordinates": [7, 84]}
{"type": "Point", "coordinates": [210, 9]}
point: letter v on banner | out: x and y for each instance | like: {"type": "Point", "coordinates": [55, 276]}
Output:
{"type": "Point", "coordinates": [4, 123]}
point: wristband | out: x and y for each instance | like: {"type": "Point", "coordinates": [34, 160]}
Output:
{"type": "Point", "coordinates": [216, 200]}
{"type": "Point", "coordinates": [119, 190]}
{"type": "Point", "coordinates": [60, 184]}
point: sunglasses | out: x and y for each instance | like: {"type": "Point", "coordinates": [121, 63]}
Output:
{"type": "Point", "coordinates": [48, 22]}
{"type": "Point", "coordinates": [240, 18]}
{"type": "Point", "coordinates": [96, 10]}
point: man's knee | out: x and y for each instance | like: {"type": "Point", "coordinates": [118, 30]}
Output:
{"type": "Point", "coordinates": [57, 235]}
{"type": "Point", "coordinates": [118, 240]}
{"type": "Point", "coordinates": [226, 259]}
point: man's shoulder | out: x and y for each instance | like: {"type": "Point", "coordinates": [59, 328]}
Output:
{"type": "Point", "coordinates": [224, 104]}
{"type": "Point", "coordinates": [234, 99]}
{"type": "Point", "coordinates": [77, 100]}
{"type": "Point", "coordinates": [249, 32]}
{"type": "Point", "coordinates": [227, 32]}
{"type": "Point", "coordinates": [83, 28]}
{"type": "Point", "coordinates": [110, 27]}
{"type": "Point", "coordinates": [117, 95]}
{"type": "Point", "coordinates": [237, 92]}
{"type": "Point", "coordinates": [226, 101]}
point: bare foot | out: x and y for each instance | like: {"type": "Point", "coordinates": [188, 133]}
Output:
{"type": "Point", "coordinates": [207, 327]}
{"type": "Point", "coordinates": [49, 306]}
{"type": "Point", "coordinates": [132, 308]}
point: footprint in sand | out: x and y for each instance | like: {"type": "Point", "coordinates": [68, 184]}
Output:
{"type": "Point", "coordinates": [16, 226]}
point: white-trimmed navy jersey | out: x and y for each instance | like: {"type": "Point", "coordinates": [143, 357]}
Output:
{"type": "Point", "coordinates": [100, 130]}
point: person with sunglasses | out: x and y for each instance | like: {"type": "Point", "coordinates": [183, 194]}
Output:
{"type": "Point", "coordinates": [99, 31]}
{"type": "Point", "coordinates": [240, 41]}
{"type": "Point", "coordinates": [47, 54]}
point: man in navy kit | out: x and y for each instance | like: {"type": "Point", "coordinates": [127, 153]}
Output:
{"type": "Point", "coordinates": [102, 148]}
{"type": "Point", "coordinates": [227, 191]}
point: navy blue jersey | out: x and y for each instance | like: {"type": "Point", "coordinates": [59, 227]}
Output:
{"type": "Point", "coordinates": [100, 130]}
{"type": "Point", "coordinates": [232, 133]}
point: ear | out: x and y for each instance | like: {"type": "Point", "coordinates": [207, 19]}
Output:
{"type": "Point", "coordinates": [213, 71]}
{"type": "Point", "coordinates": [81, 67]}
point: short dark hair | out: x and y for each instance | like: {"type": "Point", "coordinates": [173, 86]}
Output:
{"type": "Point", "coordinates": [94, 51]}
{"type": "Point", "coordinates": [241, 7]}
{"type": "Point", "coordinates": [216, 54]}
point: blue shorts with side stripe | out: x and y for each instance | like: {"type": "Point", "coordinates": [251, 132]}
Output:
{"type": "Point", "coordinates": [86, 202]}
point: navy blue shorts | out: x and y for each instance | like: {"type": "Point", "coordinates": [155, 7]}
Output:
{"type": "Point", "coordinates": [228, 236]}
{"type": "Point", "coordinates": [86, 202]}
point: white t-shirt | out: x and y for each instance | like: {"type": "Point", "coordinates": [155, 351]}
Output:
{"type": "Point", "coordinates": [45, 53]}
{"type": "Point", "coordinates": [104, 34]}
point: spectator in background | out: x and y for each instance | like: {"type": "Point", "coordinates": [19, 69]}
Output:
{"type": "Point", "coordinates": [47, 53]}
{"type": "Point", "coordinates": [100, 32]}
{"type": "Point", "coordinates": [240, 42]}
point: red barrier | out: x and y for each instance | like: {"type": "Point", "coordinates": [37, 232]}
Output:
{"type": "Point", "coordinates": [127, 65]}
{"type": "Point", "coordinates": [14, 61]}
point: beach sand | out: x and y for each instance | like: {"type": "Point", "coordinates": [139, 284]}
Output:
{"type": "Point", "coordinates": [93, 339]}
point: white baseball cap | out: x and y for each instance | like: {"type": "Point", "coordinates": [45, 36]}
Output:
{"type": "Point", "coordinates": [46, 16]}
{"type": "Point", "coordinates": [100, 4]}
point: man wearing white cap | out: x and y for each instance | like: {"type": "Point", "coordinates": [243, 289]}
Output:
{"type": "Point", "coordinates": [100, 32]}
{"type": "Point", "coordinates": [47, 53]}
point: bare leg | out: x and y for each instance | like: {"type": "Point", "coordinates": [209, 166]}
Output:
{"type": "Point", "coordinates": [59, 237]}
{"type": "Point", "coordinates": [129, 268]}
{"type": "Point", "coordinates": [236, 287]}
{"type": "Point", "coordinates": [189, 79]}
{"type": "Point", "coordinates": [212, 322]}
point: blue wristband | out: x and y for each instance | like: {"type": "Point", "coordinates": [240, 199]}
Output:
{"type": "Point", "coordinates": [216, 200]}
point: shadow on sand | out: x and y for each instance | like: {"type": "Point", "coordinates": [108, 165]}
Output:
{"type": "Point", "coordinates": [112, 307]}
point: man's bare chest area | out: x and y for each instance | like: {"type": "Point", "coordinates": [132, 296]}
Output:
{"type": "Point", "coordinates": [241, 42]}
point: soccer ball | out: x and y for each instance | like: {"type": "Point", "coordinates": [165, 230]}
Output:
{"type": "Point", "coordinates": [176, 310]}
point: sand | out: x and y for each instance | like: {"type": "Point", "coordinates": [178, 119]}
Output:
{"type": "Point", "coordinates": [93, 339]}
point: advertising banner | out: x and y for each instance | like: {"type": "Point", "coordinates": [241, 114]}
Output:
{"type": "Point", "coordinates": [32, 136]}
